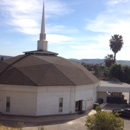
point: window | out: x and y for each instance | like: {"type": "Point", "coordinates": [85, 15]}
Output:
{"type": "Point", "coordinates": [60, 104]}
{"type": "Point", "coordinates": [7, 104]}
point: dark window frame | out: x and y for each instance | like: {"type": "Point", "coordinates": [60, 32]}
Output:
{"type": "Point", "coordinates": [60, 104]}
{"type": "Point", "coordinates": [7, 104]}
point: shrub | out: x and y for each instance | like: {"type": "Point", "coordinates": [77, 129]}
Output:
{"type": "Point", "coordinates": [103, 120]}
{"type": "Point", "coordinates": [98, 108]}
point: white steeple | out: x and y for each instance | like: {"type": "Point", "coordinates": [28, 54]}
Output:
{"type": "Point", "coordinates": [42, 43]}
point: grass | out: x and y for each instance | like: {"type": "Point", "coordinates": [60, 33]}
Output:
{"type": "Point", "coordinates": [18, 126]}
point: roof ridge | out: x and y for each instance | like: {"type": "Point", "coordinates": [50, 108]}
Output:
{"type": "Point", "coordinates": [65, 75]}
{"type": "Point", "coordinates": [92, 75]}
{"type": "Point", "coordinates": [25, 76]}
{"type": "Point", "coordinates": [88, 77]}
{"type": "Point", "coordinates": [9, 65]}
{"type": "Point", "coordinates": [44, 73]}
{"type": "Point", "coordinates": [9, 74]}
{"type": "Point", "coordinates": [45, 59]}
{"type": "Point", "coordinates": [86, 70]}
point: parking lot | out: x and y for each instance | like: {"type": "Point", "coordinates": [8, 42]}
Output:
{"type": "Point", "coordinates": [64, 122]}
{"type": "Point", "coordinates": [110, 107]}
{"type": "Point", "coordinates": [79, 123]}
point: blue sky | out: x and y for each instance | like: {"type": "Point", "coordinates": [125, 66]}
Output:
{"type": "Point", "coordinates": [75, 28]}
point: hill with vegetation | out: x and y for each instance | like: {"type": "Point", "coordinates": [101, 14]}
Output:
{"type": "Point", "coordinates": [5, 57]}
{"type": "Point", "coordinates": [87, 61]}
{"type": "Point", "coordinates": [100, 61]}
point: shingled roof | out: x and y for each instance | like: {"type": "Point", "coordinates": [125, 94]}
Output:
{"type": "Point", "coordinates": [36, 70]}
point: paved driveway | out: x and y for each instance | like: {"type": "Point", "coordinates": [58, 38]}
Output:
{"type": "Point", "coordinates": [75, 124]}
{"type": "Point", "coordinates": [65, 122]}
{"type": "Point", "coordinates": [110, 107]}
{"type": "Point", "coordinates": [79, 123]}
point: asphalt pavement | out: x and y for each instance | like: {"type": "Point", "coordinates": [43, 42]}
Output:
{"type": "Point", "coordinates": [63, 122]}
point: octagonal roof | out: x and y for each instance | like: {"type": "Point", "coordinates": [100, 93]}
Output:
{"type": "Point", "coordinates": [40, 70]}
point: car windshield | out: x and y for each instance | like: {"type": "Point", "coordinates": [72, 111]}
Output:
{"type": "Point", "coordinates": [124, 109]}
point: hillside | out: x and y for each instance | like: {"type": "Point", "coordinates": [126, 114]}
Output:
{"type": "Point", "coordinates": [5, 57]}
{"type": "Point", "coordinates": [88, 61]}
{"type": "Point", "coordinates": [98, 61]}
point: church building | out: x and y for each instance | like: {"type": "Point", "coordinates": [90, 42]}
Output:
{"type": "Point", "coordinates": [40, 83]}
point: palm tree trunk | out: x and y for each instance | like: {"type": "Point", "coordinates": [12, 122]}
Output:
{"type": "Point", "coordinates": [114, 57]}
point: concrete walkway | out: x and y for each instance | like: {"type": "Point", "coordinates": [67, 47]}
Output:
{"type": "Point", "coordinates": [41, 119]}
{"type": "Point", "coordinates": [62, 122]}
{"type": "Point", "coordinates": [75, 124]}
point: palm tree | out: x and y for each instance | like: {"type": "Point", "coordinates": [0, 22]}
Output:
{"type": "Point", "coordinates": [116, 43]}
{"type": "Point", "coordinates": [109, 60]}
{"type": "Point", "coordinates": [109, 56]}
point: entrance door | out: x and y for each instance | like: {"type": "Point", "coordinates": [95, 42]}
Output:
{"type": "Point", "coordinates": [78, 105]}
{"type": "Point", "coordinates": [83, 105]}
{"type": "Point", "coordinates": [89, 103]}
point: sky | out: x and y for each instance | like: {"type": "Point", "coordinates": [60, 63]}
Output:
{"type": "Point", "coordinates": [75, 28]}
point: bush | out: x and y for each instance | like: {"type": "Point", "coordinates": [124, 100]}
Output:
{"type": "Point", "coordinates": [6, 128]}
{"type": "Point", "coordinates": [40, 128]}
{"type": "Point", "coordinates": [19, 125]}
{"type": "Point", "coordinates": [103, 120]}
{"type": "Point", "coordinates": [98, 108]}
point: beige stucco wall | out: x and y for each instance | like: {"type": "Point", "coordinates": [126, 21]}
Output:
{"type": "Point", "coordinates": [38, 101]}
{"type": "Point", "coordinates": [48, 98]}
{"type": "Point", "coordinates": [22, 100]}
{"type": "Point", "coordinates": [102, 95]}
{"type": "Point", "coordinates": [88, 94]}
{"type": "Point", "coordinates": [48, 103]}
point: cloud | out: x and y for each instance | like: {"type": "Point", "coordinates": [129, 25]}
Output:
{"type": "Point", "coordinates": [98, 47]}
{"type": "Point", "coordinates": [59, 39]}
{"type": "Point", "coordinates": [60, 29]}
{"type": "Point", "coordinates": [55, 39]}
{"type": "Point", "coordinates": [114, 2]}
{"type": "Point", "coordinates": [57, 8]}
{"type": "Point", "coordinates": [114, 20]}
{"type": "Point", "coordinates": [25, 16]}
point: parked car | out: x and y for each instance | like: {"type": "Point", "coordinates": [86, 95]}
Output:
{"type": "Point", "coordinates": [124, 112]}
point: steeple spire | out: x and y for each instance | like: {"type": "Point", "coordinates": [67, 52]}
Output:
{"type": "Point", "coordinates": [42, 43]}
{"type": "Point", "coordinates": [43, 20]}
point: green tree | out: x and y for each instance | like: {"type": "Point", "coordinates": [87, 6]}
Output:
{"type": "Point", "coordinates": [87, 66]}
{"type": "Point", "coordinates": [103, 120]}
{"type": "Point", "coordinates": [122, 73]}
{"type": "Point", "coordinates": [109, 60]}
{"type": "Point", "coordinates": [126, 74]}
{"type": "Point", "coordinates": [116, 71]}
{"type": "Point", "coordinates": [99, 71]}
{"type": "Point", "coordinates": [116, 43]}
{"type": "Point", "coordinates": [96, 69]}
{"type": "Point", "coordinates": [107, 73]}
